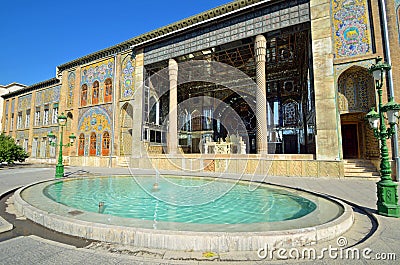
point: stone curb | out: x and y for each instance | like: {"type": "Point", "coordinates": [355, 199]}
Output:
{"type": "Point", "coordinates": [176, 240]}
{"type": "Point", "coordinates": [4, 225]}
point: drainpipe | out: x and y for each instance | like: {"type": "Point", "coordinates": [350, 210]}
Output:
{"type": "Point", "coordinates": [389, 81]}
{"type": "Point", "coordinates": [113, 94]}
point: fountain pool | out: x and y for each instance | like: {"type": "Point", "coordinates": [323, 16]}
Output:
{"type": "Point", "coordinates": [183, 213]}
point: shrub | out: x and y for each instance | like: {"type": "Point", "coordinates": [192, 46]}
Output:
{"type": "Point", "coordinates": [10, 151]}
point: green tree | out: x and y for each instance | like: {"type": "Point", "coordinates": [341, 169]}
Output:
{"type": "Point", "coordinates": [10, 151]}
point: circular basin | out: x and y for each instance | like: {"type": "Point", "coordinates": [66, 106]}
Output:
{"type": "Point", "coordinates": [183, 213]}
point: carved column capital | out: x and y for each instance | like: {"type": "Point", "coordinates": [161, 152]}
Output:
{"type": "Point", "coordinates": [173, 69]}
{"type": "Point", "coordinates": [260, 48]}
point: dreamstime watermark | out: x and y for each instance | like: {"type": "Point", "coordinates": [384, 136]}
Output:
{"type": "Point", "coordinates": [340, 251]}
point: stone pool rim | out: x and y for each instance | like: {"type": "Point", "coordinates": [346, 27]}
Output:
{"type": "Point", "coordinates": [187, 240]}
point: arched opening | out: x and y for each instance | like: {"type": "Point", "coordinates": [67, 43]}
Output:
{"type": "Point", "coordinates": [95, 92]}
{"type": "Point", "coordinates": [154, 111]}
{"type": "Point", "coordinates": [84, 92]}
{"type": "Point", "coordinates": [126, 129]}
{"type": "Point", "coordinates": [108, 90]}
{"type": "Point", "coordinates": [70, 118]}
{"type": "Point", "coordinates": [81, 145]}
{"type": "Point", "coordinates": [225, 125]}
{"type": "Point", "coordinates": [356, 96]}
{"type": "Point", "coordinates": [92, 150]}
{"type": "Point", "coordinates": [196, 121]}
{"type": "Point", "coordinates": [105, 151]}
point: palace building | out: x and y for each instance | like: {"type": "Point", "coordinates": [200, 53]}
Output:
{"type": "Point", "coordinates": [269, 87]}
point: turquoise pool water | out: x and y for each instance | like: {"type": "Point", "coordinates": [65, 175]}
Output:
{"type": "Point", "coordinates": [181, 199]}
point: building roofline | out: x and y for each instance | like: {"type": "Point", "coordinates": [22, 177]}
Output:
{"type": "Point", "coordinates": [13, 84]}
{"type": "Point", "coordinates": [46, 83]}
{"type": "Point", "coordinates": [161, 32]}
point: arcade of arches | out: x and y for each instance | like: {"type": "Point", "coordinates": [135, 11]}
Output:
{"type": "Point", "coordinates": [289, 98]}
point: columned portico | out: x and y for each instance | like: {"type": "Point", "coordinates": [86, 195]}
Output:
{"type": "Point", "coordinates": [172, 139]}
{"type": "Point", "coordinates": [261, 101]}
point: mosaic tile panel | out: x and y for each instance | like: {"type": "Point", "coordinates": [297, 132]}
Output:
{"type": "Point", "coordinates": [24, 102]}
{"type": "Point", "coordinates": [98, 71]}
{"type": "Point", "coordinates": [351, 27]}
{"type": "Point", "coordinates": [329, 169]}
{"type": "Point", "coordinates": [43, 132]}
{"type": "Point", "coordinates": [22, 135]}
{"type": "Point", "coordinates": [281, 168]}
{"type": "Point", "coordinates": [295, 168]}
{"type": "Point", "coordinates": [46, 96]}
{"type": "Point", "coordinates": [87, 141]}
{"type": "Point", "coordinates": [356, 90]}
{"type": "Point", "coordinates": [94, 119]}
{"type": "Point", "coordinates": [71, 86]}
{"type": "Point", "coordinates": [285, 14]}
{"type": "Point", "coordinates": [209, 165]}
{"type": "Point", "coordinates": [339, 69]}
{"type": "Point", "coordinates": [98, 144]}
{"type": "Point", "coordinates": [311, 169]}
{"type": "Point", "coordinates": [128, 77]}
{"type": "Point", "coordinates": [105, 107]}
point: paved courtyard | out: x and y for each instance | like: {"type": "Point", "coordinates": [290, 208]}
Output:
{"type": "Point", "coordinates": [377, 236]}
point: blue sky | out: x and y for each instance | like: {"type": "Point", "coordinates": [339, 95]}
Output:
{"type": "Point", "coordinates": [37, 36]}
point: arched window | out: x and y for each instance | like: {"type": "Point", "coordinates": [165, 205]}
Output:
{"type": "Point", "coordinates": [126, 129]}
{"type": "Point", "coordinates": [290, 113]}
{"type": "Point", "coordinates": [106, 144]}
{"type": "Point", "coordinates": [108, 90]}
{"type": "Point", "coordinates": [95, 94]}
{"type": "Point", "coordinates": [153, 110]}
{"type": "Point", "coordinates": [92, 150]}
{"type": "Point", "coordinates": [356, 91]}
{"type": "Point", "coordinates": [81, 145]}
{"type": "Point", "coordinates": [84, 95]}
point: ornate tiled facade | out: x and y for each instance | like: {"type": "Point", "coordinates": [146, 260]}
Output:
{"type": "Point", "coordinates": [71, 86]}
{"type": "Point", "coordinates": [94, 119]}
{"type": "Point", "coordinates": [46, 96]}
{"type": "Point", "coordinates": [24, 102]}
{"type": "Point", "coordinates": [128, 75]}
{"type": "Point", "coordinates": [106, 98]}
{"type": "Point", "coordinates": [397, 10]}
{"type": "Point", "coordinates": [351, 27]}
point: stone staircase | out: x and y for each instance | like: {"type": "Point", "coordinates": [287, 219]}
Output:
{"type": "Point", "coordinates": [123, 162]}
{"type": "Point", "coordinates": [360, 169]}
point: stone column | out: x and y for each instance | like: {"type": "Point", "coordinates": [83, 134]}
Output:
{"type": "Point", "coordinates": [32, 122]}
{"type": "Point", "coordinates": [15, 113]}
{"type": "Point", "coordinates": [137, 147]}
{"type": "Point", "coordinates": [326, 114]}
{"type": "Point", "coordinates": [261, 99]}
{"type": "Point", "coordinates": [172, 140]}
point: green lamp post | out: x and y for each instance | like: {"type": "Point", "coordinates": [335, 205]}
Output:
{"type": "Point", "coordinates": [62, 121]}
{"type": "Point", "coordinates": [386, 188]}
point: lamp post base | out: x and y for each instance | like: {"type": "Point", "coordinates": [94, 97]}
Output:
{"type": "Point", "coordinates": [388, 199]}
{"type": "Point", "coordinates": [59, 171]}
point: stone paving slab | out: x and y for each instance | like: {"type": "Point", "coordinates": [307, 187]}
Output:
{"type": "Point", "coordinates": [27, 250]}
{"type": "Point", "coordinates": [5, 226]}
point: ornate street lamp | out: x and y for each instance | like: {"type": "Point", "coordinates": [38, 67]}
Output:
{"type": "Point", "coordinates": [386, 188]}
{"type": "Point", "coordinates": [62, 121]}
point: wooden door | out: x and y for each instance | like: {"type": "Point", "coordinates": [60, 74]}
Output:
{"type": "Point", "coordinates": [290, 144]}
{"type": "Point", "coordinates": [195, 145]}
{"type": "Point", "coordinates": [350, 141]}
{"type": "Point", "coordinates": [81, 145]}
{"type": "Point", "coordinates": [92, 147]}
